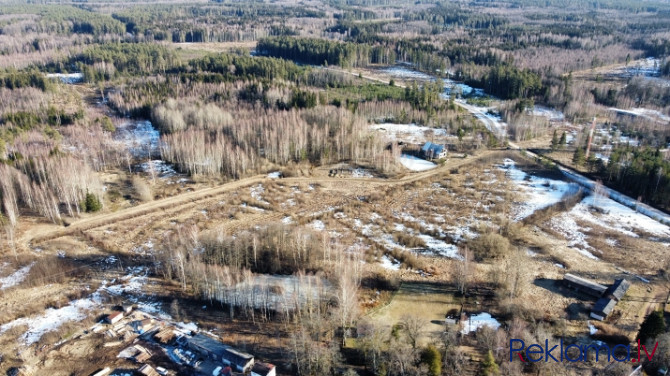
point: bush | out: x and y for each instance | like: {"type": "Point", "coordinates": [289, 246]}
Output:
{"type": "Point", "coordinates": [432, 358]}
{"type": "Point", "coordinates": [490, 246]}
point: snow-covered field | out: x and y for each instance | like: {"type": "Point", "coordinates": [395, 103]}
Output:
{"type": "Point", "coordinates": [416, 164]}
{"type": "Point", "coordinates": [539, 192]}
{"type": "Point", "coordinates": [411, 133]}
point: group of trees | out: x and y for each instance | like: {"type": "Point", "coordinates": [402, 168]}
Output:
{"type": "Point", "coordinates": [49, 185]}
{"type": "Point", "coordinates": [62, 19]}
{"type": "Point", "coordinates": [109, 61]}
{"type": "Point", "coordinates": [14, 79]}
{"type": "Point", "coordinates": [323, 52]}
{"type": "Point", "coordinates": [639, 172]}
{"type": "Point", "coordinates": [321, 135]}
{"type": "Point", "coordinates": [508, 82]}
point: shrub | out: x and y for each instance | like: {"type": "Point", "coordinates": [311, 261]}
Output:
{"type": "Point", "coordinates": [432, 358]}
{"type": "Point", "coordinates": [490, 246]}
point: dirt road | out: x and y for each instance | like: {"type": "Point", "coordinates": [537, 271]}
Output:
{"type": "Point", "coordinates": [48, 232]}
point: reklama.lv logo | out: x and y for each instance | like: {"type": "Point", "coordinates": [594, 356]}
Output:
{"type": "Point", "coordinates": [574, 353]}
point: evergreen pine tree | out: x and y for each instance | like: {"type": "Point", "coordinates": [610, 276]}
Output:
{"type": "Point", "coordinates": [489, 366]}
{"type": "Point", "coordinates": [652, 327]}
{"type": "Point", "coordinates": [563, 140]}
{"type": "Point", "coordinates": [554, 141]}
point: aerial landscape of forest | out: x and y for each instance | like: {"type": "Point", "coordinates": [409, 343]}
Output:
{"type": "Point", "coordinates": [335, 187]}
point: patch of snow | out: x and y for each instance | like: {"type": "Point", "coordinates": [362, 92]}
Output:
{"type": "Point", "coordinates": [257, 193]}
{"type": "Point", "coordinates": [441, 248]}
{"type": "Point", "coordinates": [274, 175]}
{"type": "Point", "coordinates": [559, 265]}
{"type": "Point", "coordinates": [643, 112]}
{"type": "Point", "coordinates": [318, 225]}
{"type": "Point", "coordinates": [618, 217]}
{"type": "Point", "coordinates": [159, 167]}
{"type": "Point", "coordinates": [540, 192]}
{"type": "Point", "coordinates": [475, 322]}
{"type": "Point", "coordinates": [409, 132]}
{"type": "Point", "coordinates": [191, 327]}
{"type": "Point", "coordinates": [53, 318]}
{"type": "Point", "coordinates": [549, 113]}
{"type": "Point", "coordinates": [361, 173]}
{"type": "Point", "coordinates": [388, 263]}
{"type": "Point", "coordinates": [416, 164]}
{"type": "Point", "coordinates": [67, 78]}
{"type": "Point", "coordinates": [287, 220]}
{"type": "Point", "coordinates": [402, 72]}
{"type": "Point", "coordinates": [139, 136]}
{"type": "Point", "coordinates": [592, 329]}
{"type": "Point", "coordinates": [16, 277]}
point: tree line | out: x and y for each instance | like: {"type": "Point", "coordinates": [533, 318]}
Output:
{"type": "Point", "coordinates": [639, 172]}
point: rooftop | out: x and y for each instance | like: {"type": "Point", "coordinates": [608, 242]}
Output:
{"type": "Point", "coordinates": [619, 288]}
{"type": "Point", "coordinates": [585, 283]}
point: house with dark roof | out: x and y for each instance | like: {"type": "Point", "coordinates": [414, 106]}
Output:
{"type": "Point", "coordinates": [585, 286]}
{"type": "Point", "coordinates": [433, 151]}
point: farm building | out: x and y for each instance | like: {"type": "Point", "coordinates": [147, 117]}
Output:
{"type": "Point", "coordinates": [619, 289]}
{"type": "Point", "coordinates": [584, 286]}
{"type": "Point", "coordinates": [602, 308]}
{"type": "Point", "coordinates": [263, 369]}
{"type": "Point", "coordinates": [433, 151]}
{"type": "Point", "coordinates": [114, 317]}
{"type": "Point", "coordinates": [605, 306]}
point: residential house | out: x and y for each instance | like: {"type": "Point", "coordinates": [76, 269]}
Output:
{"type": "Point", "coordinates": [433, 151]}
